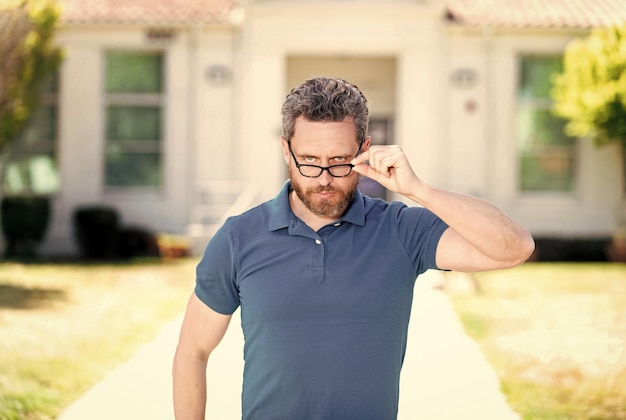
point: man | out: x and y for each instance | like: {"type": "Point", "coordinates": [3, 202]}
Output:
{"type": "Point", "coordinates": [324, 275]}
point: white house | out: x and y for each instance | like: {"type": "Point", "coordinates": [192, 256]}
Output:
{"type": "Point", "coordinates": [169, 111]}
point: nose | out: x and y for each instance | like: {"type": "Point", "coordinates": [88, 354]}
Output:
{"type": "Point", "coordinates": [325, 178]}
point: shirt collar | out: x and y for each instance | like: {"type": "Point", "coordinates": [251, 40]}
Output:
{"type": "Point", "coordinates": [281, 214]}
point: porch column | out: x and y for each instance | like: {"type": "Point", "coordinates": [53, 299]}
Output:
{"type": "Point", "coordinates": [420, 110]}
{"type": "Point", "coordinates": [262, 76]}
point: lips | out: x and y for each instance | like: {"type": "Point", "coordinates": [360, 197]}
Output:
{"type": "Point", "coordinates": [323, 190]}
{"type": "Point", "coordinates": [326, 193]}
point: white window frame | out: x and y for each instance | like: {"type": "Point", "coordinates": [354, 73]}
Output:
{"type": "Point", "coordinates": [136, 99]}
{"type": "Point", "coordinates": [540, 103]}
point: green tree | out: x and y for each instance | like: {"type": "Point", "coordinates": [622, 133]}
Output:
{"type": "Point", "coordinates": [29, 57]}
{"type": "Point", "coordinates": [590, 92]}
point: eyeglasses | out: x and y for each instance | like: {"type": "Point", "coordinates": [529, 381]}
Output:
{"type": "Point", "coordinates": [315, 171]}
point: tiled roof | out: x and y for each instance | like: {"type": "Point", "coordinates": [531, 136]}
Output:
{"type": "Point", "coordinates": [145, 11]}
{"type": "Point", "coordinates": [537, 13]}
{"type": "Point", "coordinates": [493, 13]}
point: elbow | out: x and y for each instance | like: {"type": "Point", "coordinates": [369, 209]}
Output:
{"type": "Point", "coordinates": [524, 249]}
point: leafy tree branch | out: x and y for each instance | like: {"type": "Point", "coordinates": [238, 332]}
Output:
{"type": "Point", "coordinates": [28, 57]}
{"type": "Point", "coordinates": [590, 93]}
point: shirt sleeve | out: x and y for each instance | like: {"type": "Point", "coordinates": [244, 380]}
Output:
{"type": "Point", "coordinates": [216, 272]}
{"type": "Point", "coordinates": [420, 230]}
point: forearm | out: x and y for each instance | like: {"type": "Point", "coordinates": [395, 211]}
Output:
{"type": "Point", "coordinates": [484, 226]}
{"type": "Point", "coordinates": [189, 376]}
{"type": "Point", "coordinates": [481, 236]}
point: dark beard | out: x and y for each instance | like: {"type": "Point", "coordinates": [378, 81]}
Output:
{"type": "Point", "coordinates": [325, 208]}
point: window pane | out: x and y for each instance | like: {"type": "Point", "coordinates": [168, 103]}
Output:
{"type": "Point", "coordinates": [134, 72]}
{"type": "Point", "coordinates": [547, 157]}
{"type": "Point", "coordinates": [34, 175]}
{"type": "Point", "coordinates": [133, 169]}
{"type": "Point", "coordinates": [539, 127]}
{"type": "Point", "coordinates": [15, 179]}
{"type": "Point", "coordinates": [44, 175]}
{"type": "Point", "coordinates": [51, 85]}
{"type": "Point", "coordinates": [536, 76]}
{"type": "Point", "coordinates": [547, 170]}
{"type": "Point", "coordinates": [31, 167]}
{"type": "Point", "coordinates": [42, 126]}
{"type": "Point", "coordinates": [133, 123]}
{"type": "Point", "coordinates": [624, 165]}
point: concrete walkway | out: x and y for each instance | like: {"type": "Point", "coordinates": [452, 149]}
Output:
{"type": "Point", "coordinates": [445, 375]}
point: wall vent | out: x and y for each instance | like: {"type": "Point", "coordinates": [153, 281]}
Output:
{"type": "Point", "coordinates": [160, 35]}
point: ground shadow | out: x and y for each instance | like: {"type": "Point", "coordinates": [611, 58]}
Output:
{"type": "Point", "coordinates": [18, 297]}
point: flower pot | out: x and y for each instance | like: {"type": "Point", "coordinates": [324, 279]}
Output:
{"type": "Point", "coordinates": [24, 224]}
{"type": "Point", "coordinates": [97, 230]}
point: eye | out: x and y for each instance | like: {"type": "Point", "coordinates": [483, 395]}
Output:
{"type": "Point", "coordinates": [309, 159]}
{"type": "Point", "coordinates": [340, 159]}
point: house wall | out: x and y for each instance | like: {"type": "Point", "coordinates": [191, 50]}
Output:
{"type": "Point", "coordinates": [589, 210]}
{"type": "Point", "coordinates": [457, 137]}
{"type": "Point", "coordinates": [465, 118]}
{"type": "Point", "coordinates": [215, 155]}
{"type": "Point", "coordinates": [409, 34]}
{"type": "Point", "coordinates": [197, 128]}
{"type": "Point", "coordinates": [482, 143]}
{"type": "Point", "coordinates": [227, 127]}
{"type": "Point", "coordinates": [374, 75]}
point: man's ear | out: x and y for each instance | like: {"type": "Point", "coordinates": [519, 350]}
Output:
{"type": "Point", "coordinates": [285, 146]}
{"type": "Point", "coordinates": [366, 144]}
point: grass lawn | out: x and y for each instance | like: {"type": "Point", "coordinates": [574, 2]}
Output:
{"type": "Point", "coordinates": [556, 335]}
{"type": "Point", "coordinates": [63, 327]}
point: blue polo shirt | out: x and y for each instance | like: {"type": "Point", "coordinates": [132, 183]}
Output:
{"type": "Point", "coordinates": [324, 314]}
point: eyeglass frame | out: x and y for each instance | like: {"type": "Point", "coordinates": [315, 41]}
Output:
{"type": "Point", "coordinates": [322, 168]}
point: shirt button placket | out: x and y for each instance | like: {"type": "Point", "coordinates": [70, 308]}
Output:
{"type": "Point", "coordinates": [316, 261]}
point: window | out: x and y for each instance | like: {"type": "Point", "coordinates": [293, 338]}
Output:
{"type": "Point", "coordinates": [134, 119]}
{"type": "Point", "coordinates": [547, 158]}
{"type": "Point", "coordinates": [31, 167]}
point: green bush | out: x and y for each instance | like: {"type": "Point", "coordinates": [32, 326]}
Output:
{"type": "Point", "coordinates": [24, 223]}
{"type": "Point", "coordinates": [591, 91]}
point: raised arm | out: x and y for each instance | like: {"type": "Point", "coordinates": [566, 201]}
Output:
{"type": "Point", "coordinates": [480, 236]}
{"type": "Point", "coordinates": [201, 332]}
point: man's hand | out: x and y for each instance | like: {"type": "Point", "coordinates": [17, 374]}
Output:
{"type": "Point", "coordinates": [389, 166]}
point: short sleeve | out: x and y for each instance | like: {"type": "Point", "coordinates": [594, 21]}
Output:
{"type": "Point", "coordinates": [420, 230]}
{"type": "Point", "coordinates": [216, 272]}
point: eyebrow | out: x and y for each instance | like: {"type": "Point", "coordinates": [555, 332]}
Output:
{"type": "Point", "coordinates": [342, 155]}
{"type": "Point", "coordinates": [305, 155]}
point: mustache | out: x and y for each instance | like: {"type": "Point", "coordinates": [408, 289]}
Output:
{"type": "Point", "coordinates": [322, 188]}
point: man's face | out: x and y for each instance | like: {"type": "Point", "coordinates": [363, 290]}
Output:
{"type": "Point", "coordinates": [323, 144]}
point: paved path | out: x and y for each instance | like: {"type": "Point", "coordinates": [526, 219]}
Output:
{"type": "Point", "coordinates": [445, 375]}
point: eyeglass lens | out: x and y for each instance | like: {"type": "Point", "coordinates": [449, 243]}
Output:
{"type": "Point", "coordinates": [313, 171]}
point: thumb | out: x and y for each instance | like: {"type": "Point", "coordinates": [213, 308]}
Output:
{"type": "Point", "coordinates": [366, 170]}
{"type": "Point", "coordinates": [361, 158]}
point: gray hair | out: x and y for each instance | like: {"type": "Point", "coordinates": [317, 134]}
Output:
{"type": "Point", "coordinates": [326, 99]}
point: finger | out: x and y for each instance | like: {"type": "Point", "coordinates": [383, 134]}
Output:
{"type": "Point", "coordinates": [363, 157]}
{"type": "Point", "coordinates": [366, 170]}
{"type": "Point", "coordinates": [369, 171]}
{"type": "Point", "coordinates": [383, 162]}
